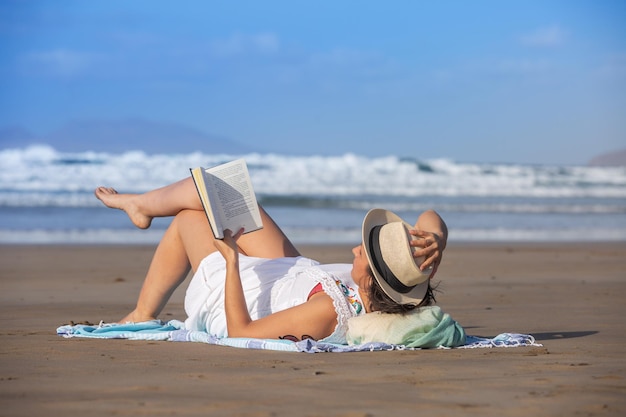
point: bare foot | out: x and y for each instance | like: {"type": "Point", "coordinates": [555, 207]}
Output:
{"type": "Point", "coordinates": [126, 202]}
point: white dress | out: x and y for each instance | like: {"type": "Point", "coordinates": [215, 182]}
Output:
{"type": "Point", "coordinates": [270, 285]}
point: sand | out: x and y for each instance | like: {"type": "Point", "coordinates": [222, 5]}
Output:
{"type": "Point", "coordinates": [570, 297]}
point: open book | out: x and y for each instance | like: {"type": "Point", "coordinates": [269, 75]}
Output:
{"type": "Point", "coordinates": [228, 198]}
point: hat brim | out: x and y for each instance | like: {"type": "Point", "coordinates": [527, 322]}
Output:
{"type": "Point", "coordinates": [379, 217]}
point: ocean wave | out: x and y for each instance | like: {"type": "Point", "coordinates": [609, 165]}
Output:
{"type": "Point", "coordinates": [36, 199]}
{"type": "Point", "coordinates": [41, 169]}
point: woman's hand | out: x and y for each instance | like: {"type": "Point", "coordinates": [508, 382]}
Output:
{"type": "Point", "coordinates": [430, 246]}
{"type": "Point", "coordinates": [228, 246]}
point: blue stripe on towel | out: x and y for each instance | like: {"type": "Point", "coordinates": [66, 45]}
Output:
{"type": "Point", "coordinates": [175, 331]}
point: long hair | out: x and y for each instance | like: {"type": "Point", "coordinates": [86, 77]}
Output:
{"type": "Point", "coordinates": [380, 301]}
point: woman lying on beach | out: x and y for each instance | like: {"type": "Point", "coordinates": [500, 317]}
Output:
{"type": "Point", "coordinates": [258, 285]}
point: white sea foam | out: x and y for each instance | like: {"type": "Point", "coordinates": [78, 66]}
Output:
{"type": "Point", "coordinates": [42, 170]}
{"type": "Point", "coordinates": [47, 196]}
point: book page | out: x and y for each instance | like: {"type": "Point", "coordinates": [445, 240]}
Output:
{"type": "Point", "coordinates": [236, 203]}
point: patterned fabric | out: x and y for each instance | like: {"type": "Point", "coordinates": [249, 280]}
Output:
{"type": "Point", "coordinates": [344, 299]}
{"type": "Point", "coordinates": [174, 331]}
{"type": "Point", "coordinates": [425, 327]}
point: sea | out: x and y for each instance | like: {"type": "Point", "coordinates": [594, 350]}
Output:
{"type": "Point", "coordinates": [46, 196]}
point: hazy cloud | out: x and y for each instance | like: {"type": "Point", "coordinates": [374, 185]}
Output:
{"type": "Point", "coordinates": [238, 44]}
{"type": "Point", "coordinates": [550, 36]}
{"type": "Point", "coordinates": [521, 66]}
{"type": "Point", "coordinates": [341, 57]}
{"type": "Point", "coordinates": [59, 62]}
{"type": "Point", "coordinates": [136, 39]}
{"type": "Point", "coordinates": [352, 64]}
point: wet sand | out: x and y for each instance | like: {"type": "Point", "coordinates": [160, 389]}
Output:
{"type": "Point", "coordinates": [570, 297]}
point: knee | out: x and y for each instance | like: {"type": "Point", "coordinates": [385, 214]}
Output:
{"type": "Point", "coordinates": [190, 221]}
{"type": "Point", "coordinates": [187, 216]}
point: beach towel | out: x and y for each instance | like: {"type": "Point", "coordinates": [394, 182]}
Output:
{"type": "Point", "coordinates": [175, 331]}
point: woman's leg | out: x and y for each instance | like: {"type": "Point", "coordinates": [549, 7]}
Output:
{"type": "Point", "coordinates": [186, 242]}
{"type": "Point", "coordinates": [162, 202]}
{"type": "Point", "coordinates": [168, 269]}
{"type": "Point", "coordinates": [269, 242]}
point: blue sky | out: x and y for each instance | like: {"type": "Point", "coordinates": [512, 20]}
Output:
{"type": "Point", "coordinates": [480, 81]}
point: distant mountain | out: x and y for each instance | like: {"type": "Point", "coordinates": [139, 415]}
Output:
{"type": "Point", "coordinates": [123, 135]}
{"type": "Point", "coordinates": [615, 158]}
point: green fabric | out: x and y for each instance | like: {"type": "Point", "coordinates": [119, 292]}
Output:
{"type": "Point", "coordinates": [426, 327]}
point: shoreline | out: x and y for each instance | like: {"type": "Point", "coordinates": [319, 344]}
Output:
{"type": "Point", "coordinates": [568, 296]}
{"type": "Point", "coordinates": [314, 249]}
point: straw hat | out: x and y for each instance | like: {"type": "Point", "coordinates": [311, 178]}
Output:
{"type": "Point", "coordinates": [386, 239]}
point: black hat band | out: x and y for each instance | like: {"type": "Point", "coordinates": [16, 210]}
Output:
{"type": "Point", "coordinates": [382, 267]}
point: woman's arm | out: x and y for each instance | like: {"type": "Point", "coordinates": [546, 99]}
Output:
{"type": "Point", "coordinates": [434, 233]}
{"type": "Point", "coordinates": [315, 318]}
